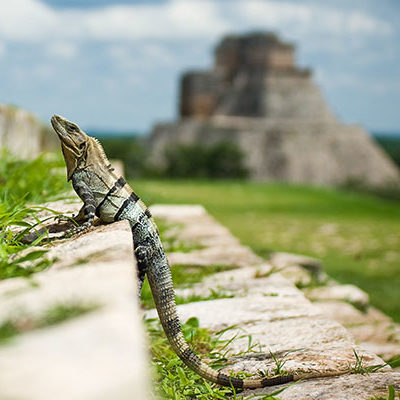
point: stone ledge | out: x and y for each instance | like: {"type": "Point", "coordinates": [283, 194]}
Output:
{"type": "Point", "coordinates": [346, 387]}
{"type": "Point", "coordinates": [277, 316]}
{"type": "Point", "coordinates": [100, 355]}
{"type": "Point", "coordinates": [196, 225]}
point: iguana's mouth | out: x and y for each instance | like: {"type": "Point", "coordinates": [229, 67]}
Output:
{"type": "Point", "coordinates": [56, 122]}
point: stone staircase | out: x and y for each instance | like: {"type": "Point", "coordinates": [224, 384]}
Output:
{"type": "Point", "coordinates": [101, 353]}
{"type": "Point", "coordinates": [280, 318]}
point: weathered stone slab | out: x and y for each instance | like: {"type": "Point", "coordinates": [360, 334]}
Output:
{"type": "Point", "coordinates": [349, 316]}
{"type": "Point", "coordinates": [245, 281]}
{"type": "Point", "coordinates": [346, 387]}
{"type": "Point", "coordinates": [372, 330]}
{"type": "Point", "coordinates": [284, 260]}
{"type": "Point", "coordinates": [98, 355]}
{"type": "Point", "coordinates": [386, 350]}
{"type": "Point", "coordinates": [216, 255]}
{"type": "Point", "coordinates": [342, 312]}
{"type": "Point", "coordinates": [195, 225]}
{"type": "Point", "coordinates": [280, 325]}
{"type": "Point", "coordinates": [349, 293]}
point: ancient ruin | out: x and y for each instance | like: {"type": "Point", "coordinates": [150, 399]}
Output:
{"type": "Point", "coordinates": [258, 98]}
{"type": "Point", "coordinates": [22, 134]}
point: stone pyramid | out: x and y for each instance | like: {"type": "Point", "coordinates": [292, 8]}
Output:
{"type": "Point", "coordinates": [258, 98]}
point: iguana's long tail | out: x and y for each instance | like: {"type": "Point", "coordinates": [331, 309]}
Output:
{"type": "Point", "coordinates": [160, 280]}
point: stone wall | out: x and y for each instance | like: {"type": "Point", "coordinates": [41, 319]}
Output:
{"type": "Point", "coordinates": [253, 51]}
{"type": "Point", "coordinates": [22, 134]}
{"type": "Point", "coordinates": [198, 94]}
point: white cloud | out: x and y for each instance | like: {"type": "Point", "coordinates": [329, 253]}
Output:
{"type": "Point", "coordinates": [310, 17]}
{"type": "Point", "coordinates": [174, 19]}
{"type": "Point", "coordinates": [27, 20]}
{"type": "Point", "coordinates": [273, 14]}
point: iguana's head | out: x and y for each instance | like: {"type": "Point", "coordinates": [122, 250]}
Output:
{"type": "Point", "coordinates": [79, 149]}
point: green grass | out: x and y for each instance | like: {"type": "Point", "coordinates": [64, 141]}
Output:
{"type": "Point", "coordinates": [174, 381]}
{"type": "Point", "coordinates": [360, 368]}
{"type": "Point", "coordinates": [356, 235]}
{"type": "Point", "coordinates": [21, 184]}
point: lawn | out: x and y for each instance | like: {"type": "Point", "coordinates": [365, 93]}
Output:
{"type": "Point", "coordinates": [356, 235]}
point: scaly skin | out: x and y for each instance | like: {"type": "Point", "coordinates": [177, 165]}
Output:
{"type": "Point", "coordinates": [109, 197]}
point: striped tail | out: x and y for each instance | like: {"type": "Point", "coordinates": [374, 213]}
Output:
{"type": "Point", "coordinates": [160, 280]}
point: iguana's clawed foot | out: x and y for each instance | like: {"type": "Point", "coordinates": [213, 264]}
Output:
{"type": "Point", "coordinates": [62, 218]}
{"type": "Point", "coordinates": [75, 232]}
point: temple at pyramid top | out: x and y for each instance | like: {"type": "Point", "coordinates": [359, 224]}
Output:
{"type": "Point", "coordinates": [256, 51]}
{"type": "Point", "coordinates": [254, 75]}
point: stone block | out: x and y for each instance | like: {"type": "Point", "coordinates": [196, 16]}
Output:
{"type": "Point", "coordinates": [346, 387]}
{"type": "Point", "coordinates": [349, 293]}
{"type": "Point", "coordinates": [101, 354]}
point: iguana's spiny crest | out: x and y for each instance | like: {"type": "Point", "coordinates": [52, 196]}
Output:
{"type": "Point", "coordinates": [79, 149]}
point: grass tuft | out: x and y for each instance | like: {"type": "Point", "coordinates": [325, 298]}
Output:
{"type": "Point", "coordinates": [22, 183]}
{"type": "Point", "coordinates": [359, 367]}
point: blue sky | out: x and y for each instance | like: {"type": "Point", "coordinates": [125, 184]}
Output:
{"type": "Point", "coordinates": [115, 64]}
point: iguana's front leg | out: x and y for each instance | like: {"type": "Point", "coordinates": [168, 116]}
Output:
{"type": "Point", "coordinates": [87, 212]}
{"type": "Point", "coordinates": [78, 218]}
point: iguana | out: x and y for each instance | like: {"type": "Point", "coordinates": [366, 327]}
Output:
{"type": "Point", "coordinates": [110, 198]}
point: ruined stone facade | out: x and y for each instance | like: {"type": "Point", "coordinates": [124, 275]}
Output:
{"type": "Point", "coordinates": [257, 97]}
{"type": "Point", "coordinates": [22, 134]}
